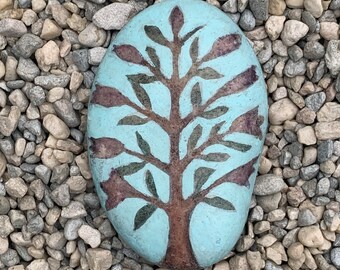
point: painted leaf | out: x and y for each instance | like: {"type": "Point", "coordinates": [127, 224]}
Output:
{"type": "Point", "coordinates": [150, 183]}
{"type": "Point", "coordinates": [131, 168]}
{"type": "Point", "coordinates": [129, 54]}
{"type": "Point", "coordinates": [194, 137]}
{"type": "Point", "coordinates": [209, 73]}
{"type": "Point", "coordinates": [249, 122]}
{"type": "Point", "coordinates": [201, 176]}
{"type": "Point", "coordinates": [133, 120]}
{"type": "Point", "coordinates": [224, 45]}
{"type": "Point", "coordinates": [196, 96]}
{"type": "Point", "coordinates": [143, 214]}
{"type": "Point", "coordinates": [108, 97]}
{"type": "Point", "coordinates": [141, 78]}
{"type": "Point", "coordinates": [239, 83]}
{"type": "Point", "coordinates": [237, 146]}
{"type": "Point", "coordinates": [216, 129]}
{"type": "Point", "coordinates": [153, 56]}
{"type": "Point", "coordinates": [156, 35]}
{"type": "Point", "coordinates": [218, 202]}
{"type": "Point", "coordinates": [142, 95]}
{"type": "Point", "coordinates": [215, 157]}
{"type": "Point", "coordinates": [239, 176]}
{"type": "Point", "coordinates": [214, 113]}
{"type": "Point", "coordinates": [191, 33]}
{"type": "Point", "coordinates": [176, 20]}
{"type": "Point", "coordinates": [143, 144]}
{"type": "Point", "coordinates": [194, 50]}
{"type": "Point", "coordinates": [105, 147]}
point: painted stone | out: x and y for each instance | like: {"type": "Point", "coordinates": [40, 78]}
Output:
{"type": "Point", "coordinates": [177, 118]}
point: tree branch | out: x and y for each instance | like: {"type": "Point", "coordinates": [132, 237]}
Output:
{"type": "Point", "coordinates": [151, 159]}
{"type": "Point", "coordinates": [117, 190]}
{"type": "Point", "coordinates": [111, 97]}
{"type": "Point", "coordinates": [238, 84]}
{"type": "Point", "coordinates": [239, 176]}
{"type": "Point", "coordinates": [196, 153]}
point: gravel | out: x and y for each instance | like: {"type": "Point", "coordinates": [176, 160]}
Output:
{"type": "Point", "coordinates": [50, 216]}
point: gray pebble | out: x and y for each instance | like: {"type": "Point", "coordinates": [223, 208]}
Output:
{"type": "Point", "coordinates": [308, 19]}
{"type": "Point", "coordinates": [7, 146]}
{"type": "Point", "coordinates": [319, 72]}
{"type": "Point", "coordinates": [26, 167]}
{"type": "Point", "coordinates": [10, 258]}
{"type": "Point", "coordinates": [295, 53]}
{"type": "Point", "coordinates": [51, 81]}
{"type": "Point", "coordinates": [265, 54]}
{"type": "Point", "coordinates": [247, 20]}
{"type": "Point", "coordinates": [65, 111]}
{"type": "Point", "coordinates": [259, 9]}
{"type": "Point", "coordinates": [296, 149]}
{"type": "Point", "coordinates": [27, 45]}
{"type": "Point", "coordinates": [309, 172]}
{"type": "Point", "coordinates": [337, 83]}
{"type": "Point", "coordinates": [315, 101]}
{"type": "Point", "coordinates": [17, 218]}
{"type": "Point", "coordinates": [321, 200]}
{"type": "Point", "coordinates": [325, 150]}
{"type": "Point", "coordinates": [77, 135]}
{"type": "Point", "coordinates": [43, 173]}
{"type": "Point", "coordinates": [27, 69]}
{"type": "Point", "coordinates": [293, 69]}
{"type": "Point", "coordinates": [88, 78]}
{"type": "Point", "coordinates": [71, 228]}
{"type": "Point", "coordinates": [323, 186]}
{"type": "Point", "coordinates": [16, 84]}
{"type": "Point", "coordinates": [12, 28]}
{"type": "Point", "coordinates": [80, 59]}
{"type": "Point", "coordinates": [60, 173]}
{"type": "Point", "coordinates": [23, 253]}
{"type": "Point", "coordinates": [35, 225]}
{"type": "Point", "coordinates": [295, 163]}
{"type": "Point", "coordinates": [24, 3]}
{"type": "Point", "coordinates": [335, 257]}
{"type": "Point", "coordinates": [4, 205]}
{"type": "Point", "coordinates": [34, 126]}
{"type": "Point", "coordinates": [96, 55]}
{"type": "Point", "coordinates": [37, 95]}
{"type": "Point", "coordinates": [61, 195]}
{"type": "Point", "coordinates": [336, 242]}
{"type": "Point", "coordinates": [306, 218]}
{"type": "Point", "coordinates": [70, 36]}
{"type": "Point", "coordinates": [268, 184]}
{"type": "Point", "coordinates": [335, 4]}
{"type": "Point", "coordinates": [313, 50]}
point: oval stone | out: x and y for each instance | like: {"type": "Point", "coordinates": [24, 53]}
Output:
{"type": "Point", "coordinates": [177, 119]}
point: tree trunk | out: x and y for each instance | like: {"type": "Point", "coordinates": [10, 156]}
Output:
{"type": "Point", "coordinates": [180, 255]}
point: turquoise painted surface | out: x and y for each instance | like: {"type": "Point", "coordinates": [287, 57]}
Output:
{"type": "Point", "coordinates": [213, 231]}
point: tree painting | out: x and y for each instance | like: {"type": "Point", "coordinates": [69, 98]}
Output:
{"type": "Point", "coordinates": [179, 253]}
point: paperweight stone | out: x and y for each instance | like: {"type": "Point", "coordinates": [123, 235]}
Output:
{"type": "Point", "coordinates": [177, 118]}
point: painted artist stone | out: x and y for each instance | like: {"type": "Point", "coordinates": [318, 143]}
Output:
{"type": "Point", "coordinates": [177, 118]}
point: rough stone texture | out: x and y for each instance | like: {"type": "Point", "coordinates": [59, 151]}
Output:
{"type": "Point", "coordinates": [281, 111]}
{"type": "Point", "coordinates": [114, 16]}
{"type": "Point", "coordinates": [50, 216]}
{"type": "Point", "coordinates": [332, 56]}
{"type": "Point", "coordinates": [12, 28]}
{"type": "Point", "coordinates": [268, 184]}
{"type": "Point", "coordinates": [293, 31]}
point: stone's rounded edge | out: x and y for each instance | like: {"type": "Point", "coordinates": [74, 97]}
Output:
{"type": "Point", "coordinates": [120, 37]}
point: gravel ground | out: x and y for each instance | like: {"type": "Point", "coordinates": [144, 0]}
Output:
{"type": "Point", "coordinates": [50, 216]}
